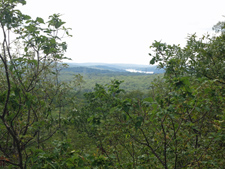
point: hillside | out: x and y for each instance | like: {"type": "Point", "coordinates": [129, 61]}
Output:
{"type": "Point", "coordinates": [111, 68]}
{"type": "Point", "coordinates": [104, 73]}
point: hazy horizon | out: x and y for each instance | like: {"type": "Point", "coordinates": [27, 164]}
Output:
{"type": "Point", "coordinates": [71, 62]}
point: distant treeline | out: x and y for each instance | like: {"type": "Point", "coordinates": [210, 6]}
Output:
{"type": "Point", "coordinates": [131, 81]}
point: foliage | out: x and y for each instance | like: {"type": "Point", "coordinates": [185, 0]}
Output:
{"type": "Point", "coordinates": [29, 87]}
{"type": "Point", "coordinates": [132, 81]}
{"type": "Point", "coordinates": [180, 123]}
{"type": "Point", "coordinates": [180, 126]}
{"type": "Point", "coordinates": [194, 104]}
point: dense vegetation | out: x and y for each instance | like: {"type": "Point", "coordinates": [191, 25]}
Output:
{"type": "Point", "coordinates": [132, 81]}
{"type": "Point", "coordinates": [178, 124]}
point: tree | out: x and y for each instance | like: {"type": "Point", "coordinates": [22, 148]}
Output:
{"type": "Point", "coordinates": [193, 109]}
{"type": "Point", "coordinates": [29, 86]}
{"type": "Point", "coordinates": [182, 124]}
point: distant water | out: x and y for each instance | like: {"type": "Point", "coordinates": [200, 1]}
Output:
{"type": "Point", "coordinates": [138, 71]}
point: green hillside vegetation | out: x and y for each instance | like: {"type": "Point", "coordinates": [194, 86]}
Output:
{"type": "Point", "coordinates": [45, 124]}
{"type": "Point", "coordinates": [132, 81]}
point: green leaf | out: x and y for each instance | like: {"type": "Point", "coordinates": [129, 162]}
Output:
{"type": "Point", "coordinates": [11, 67]}
{"type": "Point", "coordinates": [149, 99]}
{"type": "Point", "coordinates": [152, 62]}
{"type": "Point", "coordinates": [17, 91]}
{"type": "Point", "coordinates": [198, 109]}
{"type": "Point", "coordinates": [40, 20]}
{"type": "Point", "coordinates": [26, 17]}
{"type": "Point", "coordinates": [28, 103]}
{"type": "Point", "coordinates": [35, 62]}
{"type": "Point", "coordinates": [154, 106]}
{"type": "Point", "coordinates": [139, 122]}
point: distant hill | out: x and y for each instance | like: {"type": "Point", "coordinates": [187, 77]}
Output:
{"type": "Point", "coordinates": [89, 70]}
{"type": "Point", "coordinates": [104, 68]}
{"type": "Point", "coordinates": [97, 71]}
{"type": "Point", "coordinates": [104, 73]}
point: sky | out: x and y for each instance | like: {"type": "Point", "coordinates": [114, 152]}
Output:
{"type": "Point", "coordinates": [121, 31]}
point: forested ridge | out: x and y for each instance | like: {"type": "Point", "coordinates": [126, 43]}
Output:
{"type": "Point", "coordinates": [131, 81]}
{"type": "Point", "coordinates": [174, 120]}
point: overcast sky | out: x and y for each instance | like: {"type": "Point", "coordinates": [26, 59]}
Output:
{"type": "Point", "coordinates": [121, 31]}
